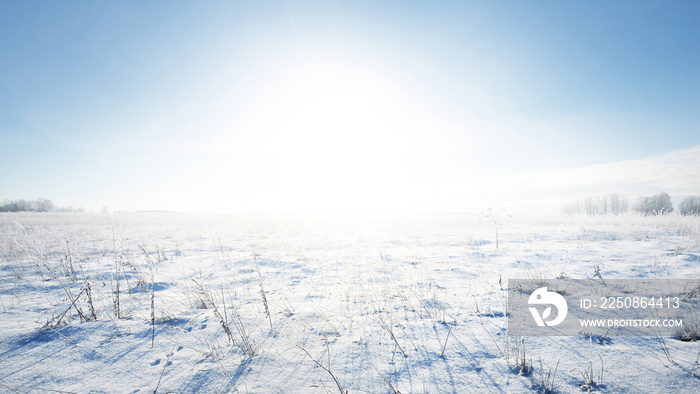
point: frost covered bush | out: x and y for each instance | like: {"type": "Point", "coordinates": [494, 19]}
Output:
{"type": "Point", "coordinates": [659, 204]}
{"type": "Point", "coordinates": [690, 206]}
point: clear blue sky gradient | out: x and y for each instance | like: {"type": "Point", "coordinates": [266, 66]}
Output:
{"type": "Point", "coordinates": [102, 103]}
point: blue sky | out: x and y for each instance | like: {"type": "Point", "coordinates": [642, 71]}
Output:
{"type": "Point", "coordinates": [303, 106]}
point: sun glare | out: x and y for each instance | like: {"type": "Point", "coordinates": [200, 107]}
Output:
{"type": "Point", "coordinates": [335, 138]}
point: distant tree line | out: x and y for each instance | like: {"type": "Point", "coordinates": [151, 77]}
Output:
{"type": "Point", "coordinates": [659, 204]}
{"type": "Point", "coordinates": [599, 205]}
{"type": "Point", "coordinates": [38, 205]}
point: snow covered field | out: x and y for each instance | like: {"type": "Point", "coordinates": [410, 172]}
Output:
{"type": "Point", "coordinates": [367, 304]}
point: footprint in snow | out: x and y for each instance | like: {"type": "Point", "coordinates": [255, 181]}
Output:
{"type": "Point", "coordinates": [155, 362]}
{"type": "Point", "coordinates": [203, 326]}
{"type": "Point", "coordinates": [179, 348]}
{"type": "Point", "coordinates": [188, 329]}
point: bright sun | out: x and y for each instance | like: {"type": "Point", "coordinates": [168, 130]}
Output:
{"type": "Point", "coordinates": [335, 137]}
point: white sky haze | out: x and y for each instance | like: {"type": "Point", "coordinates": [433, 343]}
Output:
{"type": "Point", "coordinates": [347, 106]}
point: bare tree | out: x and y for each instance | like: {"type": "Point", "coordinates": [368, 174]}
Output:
{"type": "Point", "coordinates": [44, 205]}
{"type": "Point", "coordinates": [599, 205]}
{"type": "Point", "coordinates": [690, 206]}
{"type": "Point", "coordinates": [659, 204]}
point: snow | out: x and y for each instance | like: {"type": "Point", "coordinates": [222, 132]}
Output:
{"type": "Point", "coordinates": [372, 304]}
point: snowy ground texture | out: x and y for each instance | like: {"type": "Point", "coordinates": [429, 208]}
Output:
{"type": "Point", "coordinates": [410, 304]}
